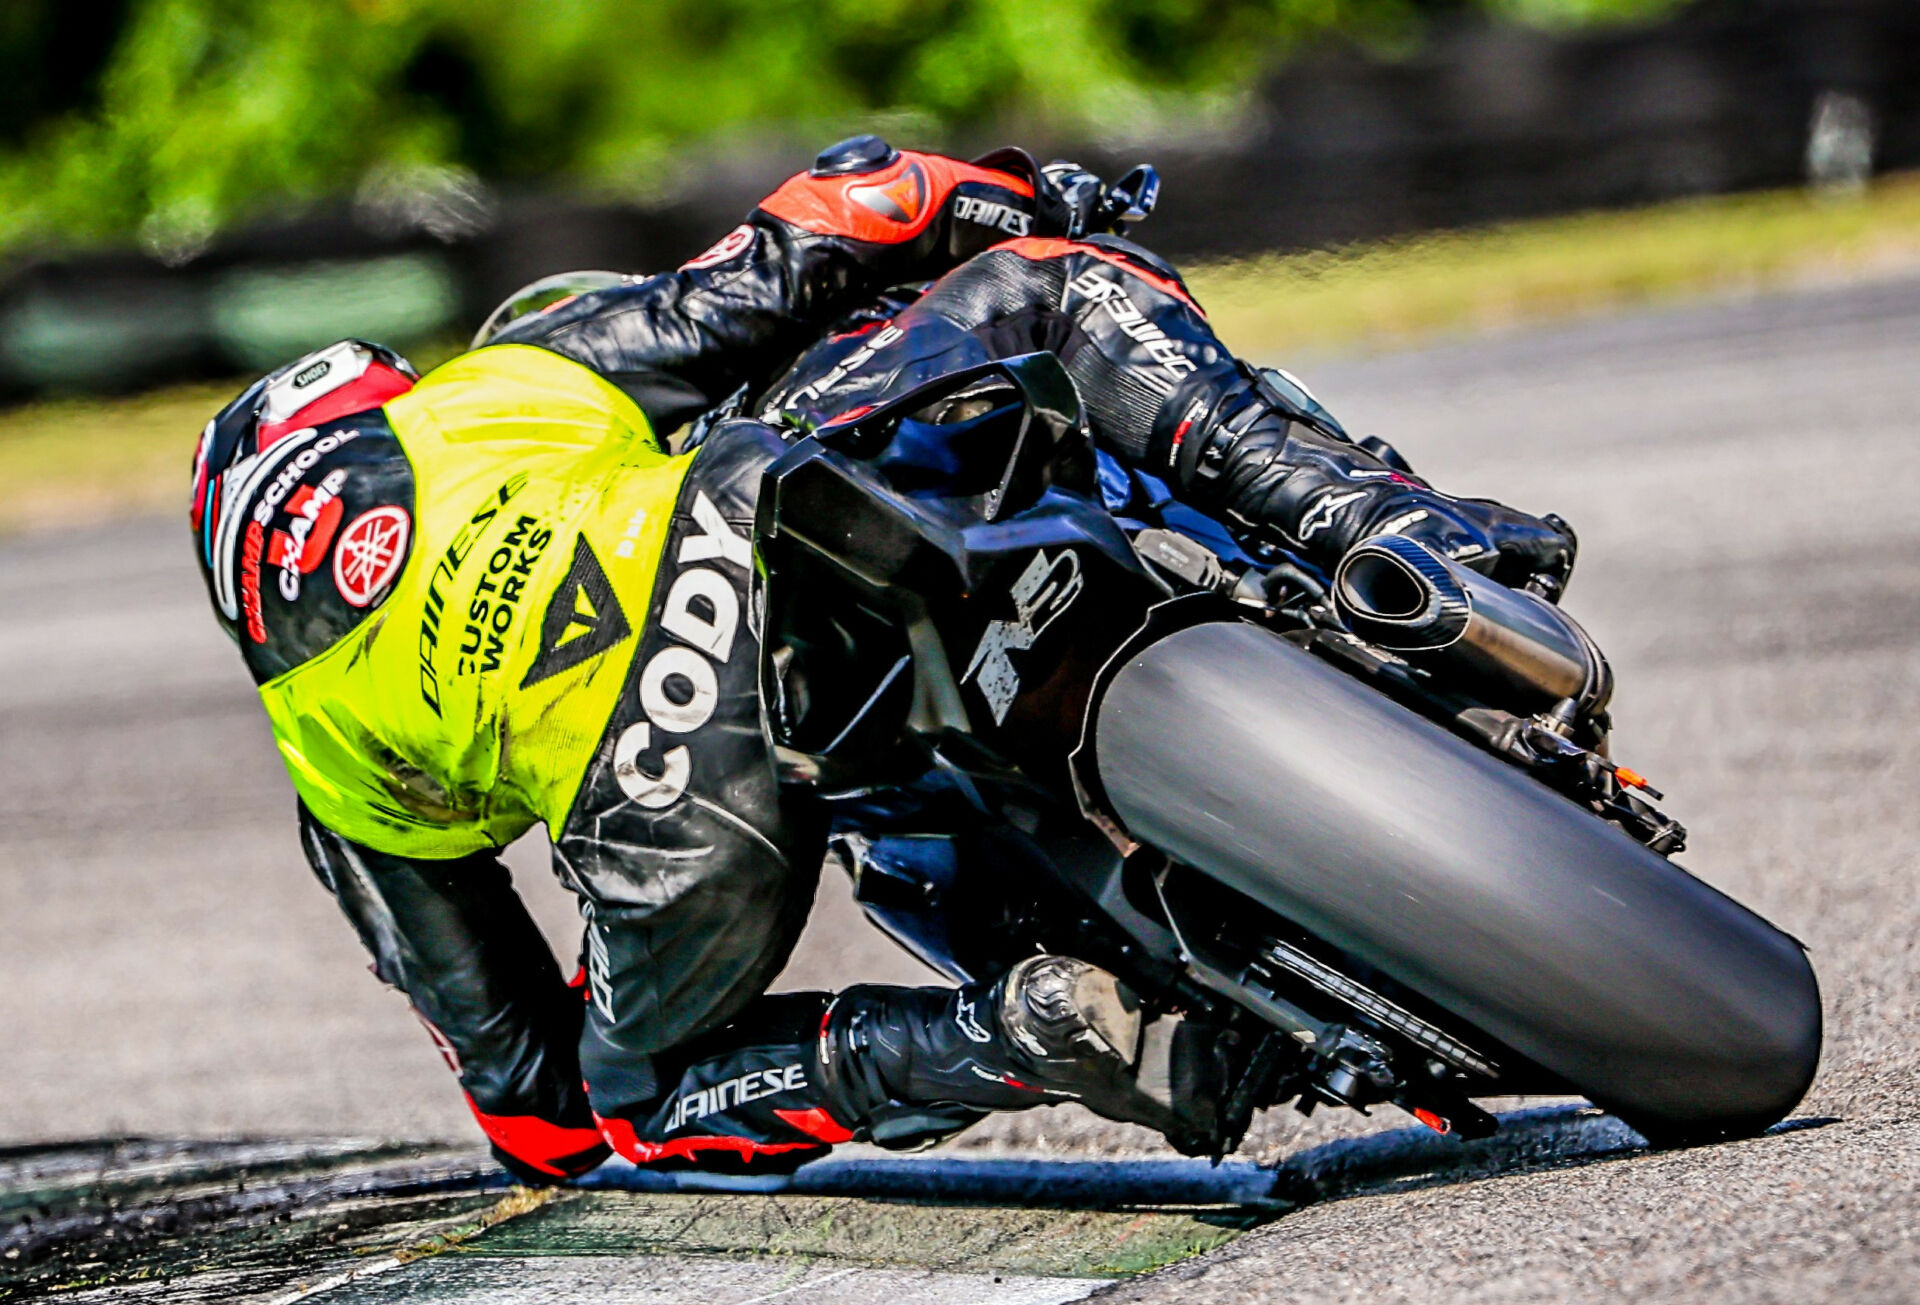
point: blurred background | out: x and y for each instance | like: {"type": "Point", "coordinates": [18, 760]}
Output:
{"type": "Point", "coordinates": [194, 190]}
{"type": "Point", "coordinates": [207, 187]}
{"type": "Point", "coordinates": [1644, 262]}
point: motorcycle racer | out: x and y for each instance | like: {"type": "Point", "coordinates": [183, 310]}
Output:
{"type": "Point", "coordinates": [489, 598]}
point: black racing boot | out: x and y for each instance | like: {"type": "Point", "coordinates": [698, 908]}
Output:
{"type": "Point", "coordinates": [1079, 1028]}
{"type": "Point", "coordinates": [906, 1067]}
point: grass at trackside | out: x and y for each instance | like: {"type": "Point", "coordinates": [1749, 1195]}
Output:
{"type": "Point", "coordinates": [67, 461]}
{"type": "Point", "coordinates": [1400, 291]}
{"type": "Point", "coordinates": [72, 461]}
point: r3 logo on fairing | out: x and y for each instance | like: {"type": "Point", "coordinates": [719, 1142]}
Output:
{"type": "Point", "coordinates": [1044, 590]}
{"type": "Point", "coordinates": [706, 639]}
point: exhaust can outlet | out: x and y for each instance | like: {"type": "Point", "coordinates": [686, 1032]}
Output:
{"type": "Point", "coordinates": [1404, 597]}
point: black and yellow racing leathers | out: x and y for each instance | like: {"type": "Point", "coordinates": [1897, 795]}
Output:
{"type": "Point", "coordinates": [571, 638]}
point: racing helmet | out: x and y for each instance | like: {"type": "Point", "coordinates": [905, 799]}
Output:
{"type": "Point", "coordinates": [302, 506]}
{"type": "Point", "coordinates": [538, 296]}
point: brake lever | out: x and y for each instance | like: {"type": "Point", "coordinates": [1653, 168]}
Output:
{"type": "Point", "coordinates": [1131, 198]}
{"type": "Point", "coordinates": [1550, 585]}
{"type": "Point", "coordinates": [1545, 586]}
{"type": "Point", "coordinates": [1281, 585]}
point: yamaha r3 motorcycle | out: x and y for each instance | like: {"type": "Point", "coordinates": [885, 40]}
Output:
{"type": "Point", "coordinates": [1366, 821]}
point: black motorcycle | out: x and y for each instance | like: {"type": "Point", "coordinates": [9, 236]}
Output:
{"type": "Point", "coordinates": [1367, 821]}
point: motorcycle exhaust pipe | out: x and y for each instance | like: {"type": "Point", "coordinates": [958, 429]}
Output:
{"type": "Point", "coordinates": [1405, 598]}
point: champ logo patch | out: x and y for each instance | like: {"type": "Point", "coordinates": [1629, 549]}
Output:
{"type": "Point", "coordinates": [313, 514]}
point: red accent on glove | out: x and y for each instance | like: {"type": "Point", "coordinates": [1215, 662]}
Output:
{"type": "Point", "coordinates": [885, 207]}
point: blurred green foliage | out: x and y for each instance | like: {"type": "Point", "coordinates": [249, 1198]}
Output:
{"type": "Point", "coordinates": [165, 118]}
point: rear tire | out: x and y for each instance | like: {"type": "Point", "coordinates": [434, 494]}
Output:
{"type": "Point", "coordinates": [1409, 849]}
{"type": "Point", "coordinates": [1674, 1135]}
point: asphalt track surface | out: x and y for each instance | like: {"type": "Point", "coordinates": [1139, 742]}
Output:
{"type": "Point", "coordinates": [1743, 476]}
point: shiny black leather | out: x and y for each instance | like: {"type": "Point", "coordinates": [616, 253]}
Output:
{"type": "Point", "coordinates": [906, 1067]}
{"type": "Point", "coordinates": [902, 1068]}
{"type": "Point", "coordinates": [695, 870]}
{"type": "Point", "coordinates": [455, 938]}
{"type": "Point", "coordinates": [1320, 494]}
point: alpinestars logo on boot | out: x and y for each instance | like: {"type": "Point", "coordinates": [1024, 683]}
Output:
{"type": "Point", "coordinates": [583, 618]}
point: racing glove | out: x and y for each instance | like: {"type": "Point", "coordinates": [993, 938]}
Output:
{"type": "Point", "coordinates": [1074, 202]}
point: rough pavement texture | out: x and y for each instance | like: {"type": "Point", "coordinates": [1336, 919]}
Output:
{"type": "Point", "coordinates": [1741, 478]}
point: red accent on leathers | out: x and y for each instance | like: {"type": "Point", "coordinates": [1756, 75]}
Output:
{"type": "Point", "coordinates": [374, 388]}
{"type": "Point", "coordinates": [886, 207]}
{"type": "Point", "coordinates": [283, 551]}
{"type": "Point", "coordinates": [449, 1054]}
{"type": "Point", "coordinates": [541, 1144]}
{"type": "Point", "coordinates": [817, 1123]}
{"type": "Point", "coordinates": [628, 1143]}
{"type": "Point", "coordinates": [197, 511]}
{"type": "Point", "coordinates": [1037, 249]}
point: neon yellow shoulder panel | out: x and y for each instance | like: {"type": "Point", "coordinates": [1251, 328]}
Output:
{"type": "Point", "coordinates": [470, 704]}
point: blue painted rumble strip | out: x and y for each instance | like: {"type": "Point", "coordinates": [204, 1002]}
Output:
{"type": "Point", "coordinates": [1055, 1183]}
